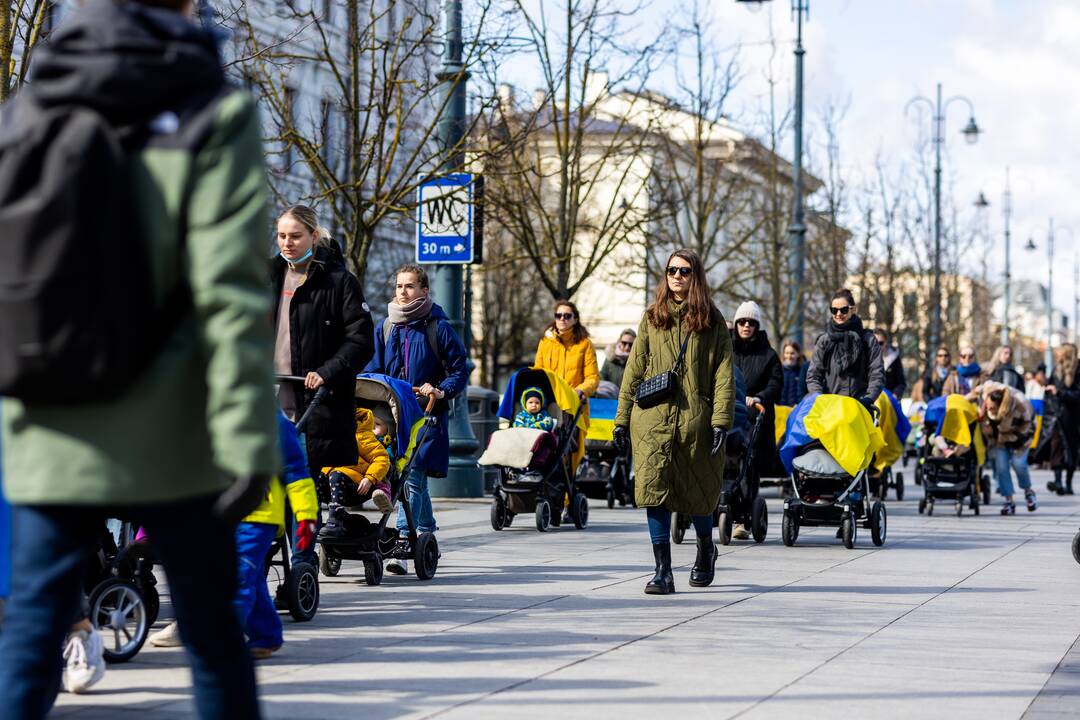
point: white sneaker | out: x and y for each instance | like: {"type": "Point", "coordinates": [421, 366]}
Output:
{"type": "Point", "coordinates": [398, 567]}
{"type": "Point", "coordinates": [84, 657]}
{"type": "Point", "coordinates": [168, 637]}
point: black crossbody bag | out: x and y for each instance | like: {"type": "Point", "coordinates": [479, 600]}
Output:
{"type": "Point", "coordinates": [661, 388]}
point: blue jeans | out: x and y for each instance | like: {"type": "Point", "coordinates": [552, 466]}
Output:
{"type": "Point", "coordinates": [660, 525]}
{"type": "Point", "coordinates": [419, 504]}
{"type": "Point", "coordinates": [253, 604]}
{"type": "Point", "coordinates": [1003, 458]}
{"type": "Point", "coordinates": [50, 546]}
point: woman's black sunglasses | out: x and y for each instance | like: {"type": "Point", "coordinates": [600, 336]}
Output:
{"type": "Point", "coordinates": [840, 310]}
{"type": "Point", "coordinates": [673, 271]}
{"type": "Point", "coordinates": [564, 316]}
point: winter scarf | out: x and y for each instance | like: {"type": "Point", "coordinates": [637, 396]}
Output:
{"type": "Point", "coordinates": [844, 343]}
{"type": "Point", "coordinates": [968, 371]}
{"type": "Point", "coordinates": [418, 309]}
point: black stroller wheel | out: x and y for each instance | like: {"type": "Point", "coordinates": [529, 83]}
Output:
{"type": "Point", "coordinates": [759, 522]}
{"type": "Point", "coordinates": [118, 610]}
{"type": "Point", "coordinates": [498, 513]}
{"type": "Point", "coordinates": [848, 530]}
{"type": "Point", "coordinates": [543, 515]}
{"type": "Point", "coordinates": [678, 532]}
{"type": "Point", "coordinates": [724, 524]}
{"type": "Point", "coordinates": [900, 486]}
{"type": "Point", "coordinates": [579, 511]}
{"type": "Point", "coordinates": [878, 523]}
{"type": "Point", "coordinates": [302, 591]}
{"type": "Point", "coordinates": [922, 506]}
{"type": "Point", "coordinates": [329, 563]}
{"type": "Point", "coordinates": [610, 498]}
{"type": "Point", "coordinates": [1076, 547]}
{"type": "Point", "coordinates": [373, 570]}
{"type": "Point", "coordinates": [426, 556]}
{"type": "Point", "coordinates": [985, 490]}
{"type": "Point", "coordinates": [789, 528]}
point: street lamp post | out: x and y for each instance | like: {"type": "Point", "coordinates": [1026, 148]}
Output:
{"type": "Point", "coordinates": [463, 478]}
{"type": "Point", "coordinates": [1007, 210]}
{"type": "Point", "coordinates": [971, 134]}
{"type": "Point", "coordinates": [1048, 353]}
{"type": "Point", "coordinates": [797, 227]}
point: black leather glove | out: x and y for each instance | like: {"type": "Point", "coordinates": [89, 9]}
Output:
{"type": "Point", "coordinates": [867, 403]}
{"type": "Point", "coordinates": [621, 437]}
{"type": "Point", "coordinates": [241, 498]}
{"type": "Point", "coordinates": [719, 435]}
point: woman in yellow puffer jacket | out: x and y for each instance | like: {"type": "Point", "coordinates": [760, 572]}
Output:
{"type": "Point", "coordinates": [566, 350]}
{"type": "Point", "coordinates": [368, 475]}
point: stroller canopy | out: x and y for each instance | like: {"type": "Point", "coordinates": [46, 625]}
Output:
{"type": "Point", "coordinates": [555, 389]}
{"type": "Point", "coordinates": [894, 427]}
{"type": "Point", "coordinates": [842, 426]}
{"type": "Point", "coordinates": [399, 395]}
{"type": "Point", "coordinates": [952, 417]}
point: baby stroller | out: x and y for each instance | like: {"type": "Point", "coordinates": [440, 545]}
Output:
{"type": "Point", "coordinates": [372, 542]}
{"type": "Point", "coordinates": [895, 429]}
{"type": "Point", "coordinates": [830, 444]}
{"type": "Point", "coordinates": [536, 468]}
{"type": "Point", "coordinates": [954, 422]}
{"type": "Point", "coordinates": [123, 596]}
{"type": "Point", "coordinates": [740, 501]}
{"type": "Point", "coordinates": [605, 473]}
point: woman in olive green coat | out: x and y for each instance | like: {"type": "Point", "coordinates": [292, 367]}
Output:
{"type": "Point", "coordinates": [678, 444]}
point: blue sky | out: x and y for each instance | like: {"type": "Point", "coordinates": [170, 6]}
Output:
{"type": "Point", "coordinates": [1017, 60]}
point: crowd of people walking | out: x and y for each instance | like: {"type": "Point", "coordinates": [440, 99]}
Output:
{"type": "Point", "coordinates": [195, 442]}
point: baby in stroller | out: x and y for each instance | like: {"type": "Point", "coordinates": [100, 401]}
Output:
{"type": "Point", "coordinates": [533, 414]}
{"type": "Point", "coordinates": [350, 485]}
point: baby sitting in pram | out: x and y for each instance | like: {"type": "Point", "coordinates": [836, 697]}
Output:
{"type": "Point", "coordinates": [942, 447]}
{"type": "Point", "coordinates": [533, 414]}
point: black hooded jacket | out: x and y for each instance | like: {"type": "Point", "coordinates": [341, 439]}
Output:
{"type": "Point", "coordinates": [764, 376]}
{"type": "Point", "coordinates": [331, 334]}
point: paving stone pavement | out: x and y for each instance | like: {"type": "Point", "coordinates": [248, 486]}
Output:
{"type": "Point", "coordinates": [953, 618]}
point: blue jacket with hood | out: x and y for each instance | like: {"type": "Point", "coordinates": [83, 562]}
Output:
{"type": "Point", "coordinates": [409, 356]}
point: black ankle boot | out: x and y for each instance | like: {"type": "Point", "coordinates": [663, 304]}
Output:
{"type": "Point", "coordinates": [705, 566]}
{"type": "Point", "coordinates": [663, 581]}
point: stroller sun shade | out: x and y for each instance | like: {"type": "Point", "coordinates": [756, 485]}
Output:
{"type": "Point", "coordinates": [398, 394]}
{"type": "Point", "coordinates": [555, 389]}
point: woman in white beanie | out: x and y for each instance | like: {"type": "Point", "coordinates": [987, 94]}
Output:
{"type": "Point", "coordinates": [760, 367]}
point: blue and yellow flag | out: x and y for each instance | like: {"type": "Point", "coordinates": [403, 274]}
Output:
{"type": "Point", "coordinates": [842, 425]}
{"type": "Point", "coordinates": [953, 417]}
{"type": "Point", "coordinates": [602, 419]}
{"type": "Point", "coordinates": [894, 427]}
{"type": "Point", "coordinates": [782, 413]}
{"type": "Point", "coordinates": [1037, 405]}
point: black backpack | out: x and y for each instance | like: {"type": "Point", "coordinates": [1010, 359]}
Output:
{"type": "Point", "coordinates": [78, 316]}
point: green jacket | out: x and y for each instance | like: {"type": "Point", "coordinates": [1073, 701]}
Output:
{"type": "Point", "coordinates": [205, 407]}
{"type": "Point", "coordinates": [671, 442]}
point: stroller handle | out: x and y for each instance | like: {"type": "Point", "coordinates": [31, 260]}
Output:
{"type": "Point", "coordinates": [759, 407]}
{"type": "Point", "coordinates": [432, 399]}
{"type": "Point", "coordinates": [301, 424]}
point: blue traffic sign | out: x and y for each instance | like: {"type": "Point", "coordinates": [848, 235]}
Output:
{"type": "Point", "coordinates": [445, 219]}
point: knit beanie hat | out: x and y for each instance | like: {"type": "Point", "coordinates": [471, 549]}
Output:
{"type": "Point", "coordinates": [532, 393]}
{"type": "Point", "coordinates": [749, 310]}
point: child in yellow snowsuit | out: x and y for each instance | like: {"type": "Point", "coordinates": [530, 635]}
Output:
{"type": "Point", "coordinates": [351, 484]}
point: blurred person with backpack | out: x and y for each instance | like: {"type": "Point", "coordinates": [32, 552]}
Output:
{"type": "Point", "coordinates": [134, 343]}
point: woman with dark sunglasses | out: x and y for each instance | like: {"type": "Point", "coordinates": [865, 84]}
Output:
{"type": "Point", "coordinates": [678, 442]}
{"type": "Point", "coordinates": [566, 350]}
{"type": "Point", "coordinates": [847, 357]}
{"type": "Point", "coordinates": [617, 355]}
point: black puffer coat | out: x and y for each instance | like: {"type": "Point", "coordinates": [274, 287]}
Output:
{"type": "Point", "coordinates": [332, 334]}
{"type": "Point", "coordinates": [1059, 441]}
{"type": "Point", "coordinates": [846, 361]}
{"type": "Point", "coordinates": [764, 375]}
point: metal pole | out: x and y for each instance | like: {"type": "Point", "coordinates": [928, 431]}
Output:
{"type": "Point", "coordinates": [1049, 355]}
{"type": "Point", "coordinates": [1007, 208]}
{"type": "Point", "coordinates": [797, 229]}
{"type": "Point", "coordinates": [935, 291]}
{"type": "Point", "coordinates": [1076, 295]}
{"type": "Point", "coordinates": [463, 478]}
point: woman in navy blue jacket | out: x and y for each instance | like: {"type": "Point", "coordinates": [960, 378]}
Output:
{"type": "Point", "coordinates": [417, 344]}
